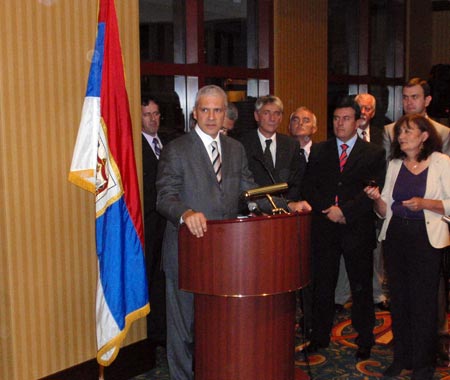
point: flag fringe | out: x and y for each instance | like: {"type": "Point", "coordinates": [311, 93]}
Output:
{"type": "Point", "coordinates": [115, 343]}
{"type": "Point", "coordinates": [78, 178]}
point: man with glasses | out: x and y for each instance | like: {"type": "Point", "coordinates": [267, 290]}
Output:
{"type": "Point", "coordinates": [302, 126]}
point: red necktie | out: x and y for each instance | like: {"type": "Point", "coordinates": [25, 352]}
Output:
{"type": "Point", "coordinates": [342, 160]}
{"type": "Point", "coordinates": [343, 157]}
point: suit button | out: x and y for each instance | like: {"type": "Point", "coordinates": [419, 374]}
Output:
{"type": "Point", "coordinates": [339, 184]}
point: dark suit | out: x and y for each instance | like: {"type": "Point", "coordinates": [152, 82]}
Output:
{"type": "Point", "coordinates": [355, 240]}
{"type": "Point", "coordinates": [154, 224]}
{"type": "Point", "coordinates": [376, 135]}
{"type": "Point", "coordinates": [287, 162]}
{"type": "Point", "coordinates": [186, 180]}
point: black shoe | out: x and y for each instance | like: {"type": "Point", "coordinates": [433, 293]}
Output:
{"type": "Point", "coordinates": [338, 308]}
{"type": "Point", "coordinates": [383, 305]}
{"type": "Point", "coordinates": [395, 369]}
{"type": "Point", "coordinates": [363, 353]}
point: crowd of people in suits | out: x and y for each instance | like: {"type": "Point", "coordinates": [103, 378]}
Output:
{"type": "Point", "coordinates": [361, 212]}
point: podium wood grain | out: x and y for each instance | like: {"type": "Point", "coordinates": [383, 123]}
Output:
{"type": "Point", "coordinates": [244, 274]}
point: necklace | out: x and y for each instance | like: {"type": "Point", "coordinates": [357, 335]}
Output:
{"type": "Point", "coordinates": [411, 165]}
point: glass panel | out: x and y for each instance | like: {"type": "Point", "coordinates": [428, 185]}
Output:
{"type": "Point", "coordinates": [170, 91]}
{"type": "Point", "coordinates": [384, 97]}
{"type": "Point", "coordinates": [162, 30]}
{"type": "Point", "coordinates": [386, 23]}
{"type": "Point", "coordinates": [343, 34]}
{"type": "Point", "coordinates": [230, 33]}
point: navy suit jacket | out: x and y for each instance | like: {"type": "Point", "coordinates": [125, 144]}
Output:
{"type": "Point", "coordinates": [287, 162]}
{"type": "Point", "coordinates": [186, 180]}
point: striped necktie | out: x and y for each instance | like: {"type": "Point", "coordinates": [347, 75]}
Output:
{"type": "Point", "coordinates": [157, 147]}
{"type": "Point", "coordinates": [217, 163]}
{"type": "Point", "coordinates": [343, 157]}
{"type": "Point", "coordinates": [342, 160]}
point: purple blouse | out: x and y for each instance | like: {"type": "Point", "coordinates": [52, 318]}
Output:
{"type": "Point", "coordinates": [406, 186]}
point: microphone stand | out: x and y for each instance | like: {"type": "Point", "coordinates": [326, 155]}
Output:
{"type": "Point", "coordinates": [275, 209]}
{"type": "Point", "coordinates": [269, 172]}
{"type": "Point", "coordinates": [267, 191]}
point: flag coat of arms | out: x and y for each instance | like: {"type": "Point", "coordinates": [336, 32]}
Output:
{"type": "Point", "coordinates": [103, 163]}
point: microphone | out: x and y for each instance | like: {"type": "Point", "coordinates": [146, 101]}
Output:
{"type": "Point", "coordinates": [254, 208]}
{"type": "Point", "coordinates": [265, 190]}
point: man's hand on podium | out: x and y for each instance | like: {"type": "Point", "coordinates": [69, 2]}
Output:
{"type": "Point", "coordinates": [195, 221]}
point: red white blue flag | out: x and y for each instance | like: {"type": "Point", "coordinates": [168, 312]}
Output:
{"type": "Point", "coordinates": [103, 163]}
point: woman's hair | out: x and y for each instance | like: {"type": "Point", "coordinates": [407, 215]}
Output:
{"type": "Point", "coordinates": [432, 144]}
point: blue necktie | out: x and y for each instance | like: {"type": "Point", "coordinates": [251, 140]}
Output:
{"type": "Point", "coordinates": [157, 147]}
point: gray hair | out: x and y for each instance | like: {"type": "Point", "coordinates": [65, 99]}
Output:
{"type": "Point", "coordinates": [303, 108]}
{"type": "Point", "coordinates": [211, 90]}
{"type": "Point", "coordinates": [268, 99]}
{"type": "Point", "coordinates": [371, 97]}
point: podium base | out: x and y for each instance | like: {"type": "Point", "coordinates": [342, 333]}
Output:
{"type": "Point", "coordinates": [244, 338]}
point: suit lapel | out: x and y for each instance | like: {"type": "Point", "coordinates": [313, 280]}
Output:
{"type": "Point", "coordinates": [355, 154]}
{"type": "Point", "coordinates": [333, 154]}
{"type": "Point", "coordinates": [281, 154]}
{"type": "Point", "coordinates": [203, 159]}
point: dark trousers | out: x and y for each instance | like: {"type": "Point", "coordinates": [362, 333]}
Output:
{"type": "Point", "coordinates": [156, 320]}
{"type": "Point", "coordinates": [412, 266]}
{"type": "Point", "coordinates": [359, 264]}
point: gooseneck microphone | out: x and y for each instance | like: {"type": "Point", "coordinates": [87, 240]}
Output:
{"type": "Point", "coordinates": [271, 189]}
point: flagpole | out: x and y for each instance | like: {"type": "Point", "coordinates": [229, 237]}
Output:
{"type": "Point", "coordinates": [101, 375]}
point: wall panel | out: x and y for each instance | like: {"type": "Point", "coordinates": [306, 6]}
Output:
{"type": "Point", "coordinates": [48, 265]}
{"type": "Point", "coordinates": [441, 38]}
{"type": "Point", "coordinates": [300, 58]}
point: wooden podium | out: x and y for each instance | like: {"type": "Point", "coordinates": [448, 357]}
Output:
{"type": "Point", "coordinates": [244, 273]}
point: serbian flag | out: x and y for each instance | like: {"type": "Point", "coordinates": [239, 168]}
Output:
{"type": "Point", "coordinates": [103, 163]}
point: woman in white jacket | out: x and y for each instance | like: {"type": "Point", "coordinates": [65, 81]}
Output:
{"type": "Point", "coordinates": [415, 196]}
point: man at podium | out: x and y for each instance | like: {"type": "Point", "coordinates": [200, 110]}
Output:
{"type": "Point", "coordinates": [201, 176]}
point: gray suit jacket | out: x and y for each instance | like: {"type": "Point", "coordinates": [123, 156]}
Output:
{"type": "Point", "coordinates": [186, 180]}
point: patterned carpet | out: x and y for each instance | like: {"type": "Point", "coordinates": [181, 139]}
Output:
{"type": "Point", "coordinates": [336, 362]}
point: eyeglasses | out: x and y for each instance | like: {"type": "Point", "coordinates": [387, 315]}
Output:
{"type": "Point", "coordinates": [296, 120]}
